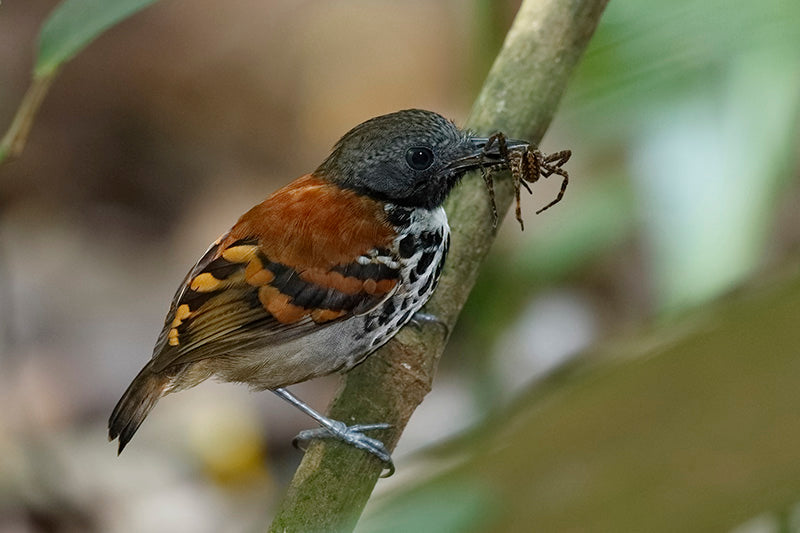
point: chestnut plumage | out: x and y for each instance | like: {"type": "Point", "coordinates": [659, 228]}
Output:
{"type": "Point", "coordinates": [318, 275]}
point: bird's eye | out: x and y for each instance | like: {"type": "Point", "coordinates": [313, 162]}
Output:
{"type": "Point", "coordinates": [419, 157]}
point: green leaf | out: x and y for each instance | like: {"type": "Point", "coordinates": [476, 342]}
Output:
{"type": "Point", "coordinates": [73, 24]}
{"type": "Point", "coordinates": [438, 508]}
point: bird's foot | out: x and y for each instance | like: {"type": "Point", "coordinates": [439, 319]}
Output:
{"type": "Point", "coordinates": [352, 435]}
{"type": "Point", "coordinates": [420, 318]}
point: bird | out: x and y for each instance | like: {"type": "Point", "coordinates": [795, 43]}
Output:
{"type": "Point", "coordinates": [319, 275]}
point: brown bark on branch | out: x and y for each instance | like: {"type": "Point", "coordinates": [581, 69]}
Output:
{"type": "Point", "coordinates": [520, 96]}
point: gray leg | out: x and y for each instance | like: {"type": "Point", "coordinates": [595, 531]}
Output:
{"type": "Point", "coordinates": [420, 318]}
{"type": "Point", "coordinates": [333, 429]}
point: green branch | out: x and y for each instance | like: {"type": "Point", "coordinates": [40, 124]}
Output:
{"type": "Point", "coordinates": [14, 139]}
{"type": "Point", "coordinates": [334, 481]}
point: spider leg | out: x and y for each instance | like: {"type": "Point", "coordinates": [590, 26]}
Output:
{"type": "Point", "coordinates": [563, 173]}
{"type": "Point", "coordinates": [559, 158]}
{"type": "Point", "coordinates": [490, 142]}
{"type": "Point", "coordinates": [518, 211]}
{"type": "Point", "coordinates": [500, 139]}
{"type": "Point", "coordinates": [501, 146]}
{"type": "Point", "coordinates": [552, 162]}
{"type": "Point", "coordinates": [489, 180]}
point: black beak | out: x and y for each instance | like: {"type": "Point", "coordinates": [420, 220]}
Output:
{"type": "Point", "coordinates": [481, 157]}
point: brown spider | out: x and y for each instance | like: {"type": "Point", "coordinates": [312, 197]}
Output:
{"type": "Point", "coordinates": [527, 166]}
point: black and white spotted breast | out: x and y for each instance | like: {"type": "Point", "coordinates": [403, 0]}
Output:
{"type": "Point", "coordinates": [419, 249]}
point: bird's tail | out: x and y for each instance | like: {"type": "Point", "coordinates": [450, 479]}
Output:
{"type": "Point", "coordinates": [135, 404]}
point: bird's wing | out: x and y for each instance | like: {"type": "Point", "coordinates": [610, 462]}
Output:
{"type": "Point", "coordinates": [305, 258]}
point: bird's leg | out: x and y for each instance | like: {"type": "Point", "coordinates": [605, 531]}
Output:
{"type": "Point", "coordinates": [334, 429]}
{"type": "Point", "coordinates": [420, 318]}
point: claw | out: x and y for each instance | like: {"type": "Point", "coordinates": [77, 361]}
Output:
{"type": "Point", "coordinates": [352, 435]}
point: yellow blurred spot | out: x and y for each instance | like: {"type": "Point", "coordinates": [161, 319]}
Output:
{"type": "Point", "coordinates": [228, 441]}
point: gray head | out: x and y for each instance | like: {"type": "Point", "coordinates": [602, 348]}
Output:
{"type": "Point", "coordinates": [411, 158]}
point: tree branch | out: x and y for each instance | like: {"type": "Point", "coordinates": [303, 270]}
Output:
{"type": "Point", "coordinates": [334, 481]}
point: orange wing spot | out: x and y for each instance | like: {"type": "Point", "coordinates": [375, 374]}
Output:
{"type": "Point", "coordinates": [173, 337]}
{"type": "Point", "coordinates": [378, 288]}
{"type": "Point", "coordinates": [326, 315]}
{"type": "Point", "coordinates": [370, 286]}
{"type": "Point", "coordinates": [181, 313]}
{"type": "Point", "coordinates": [239, 254]}
{"type": "Point", "coordinates": [278, 305]}
{"type": "Point", "coordinates": [205, 282]}
{"type": "Point", "coordinates": [256, 275]}
{"type": "Point", "coordinates": [332, 280]}
{"type": "Point", "coordinates": [385, 286]}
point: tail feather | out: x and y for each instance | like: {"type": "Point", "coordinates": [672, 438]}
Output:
{"type": "Point", "coordinates": [131, 410]}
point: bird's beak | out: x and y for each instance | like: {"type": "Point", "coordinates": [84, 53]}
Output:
{"type": "Point", "coordinates": [481, 157]}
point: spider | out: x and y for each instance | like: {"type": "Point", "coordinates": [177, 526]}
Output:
{"type": "Point", "coordinates": [527, 166]}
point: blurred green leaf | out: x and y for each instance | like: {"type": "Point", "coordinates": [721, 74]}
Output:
{"type": "Point", "coordinates": [73, 24]}
{"type": "Point", "coordinates": [648, 56]}
{"type": "Point", "coordinates": [702, 98]}
{"type": "Point", "coordinates": [707, 215]}
{"type": "Point", "coordinates": [439, 508]}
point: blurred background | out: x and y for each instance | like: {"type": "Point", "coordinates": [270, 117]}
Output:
{"type": "Point", "coordinates": [629, 362]}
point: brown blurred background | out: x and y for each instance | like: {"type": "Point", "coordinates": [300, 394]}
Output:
{"type": "Point", "coordinates": [163, 131]}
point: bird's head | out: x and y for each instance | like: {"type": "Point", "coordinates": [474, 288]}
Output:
{"type": "Point", "coordinates": [411, 158]}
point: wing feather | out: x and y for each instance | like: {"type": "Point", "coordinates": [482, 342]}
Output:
{"type": "Point", "coordinates": [240, 294]}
